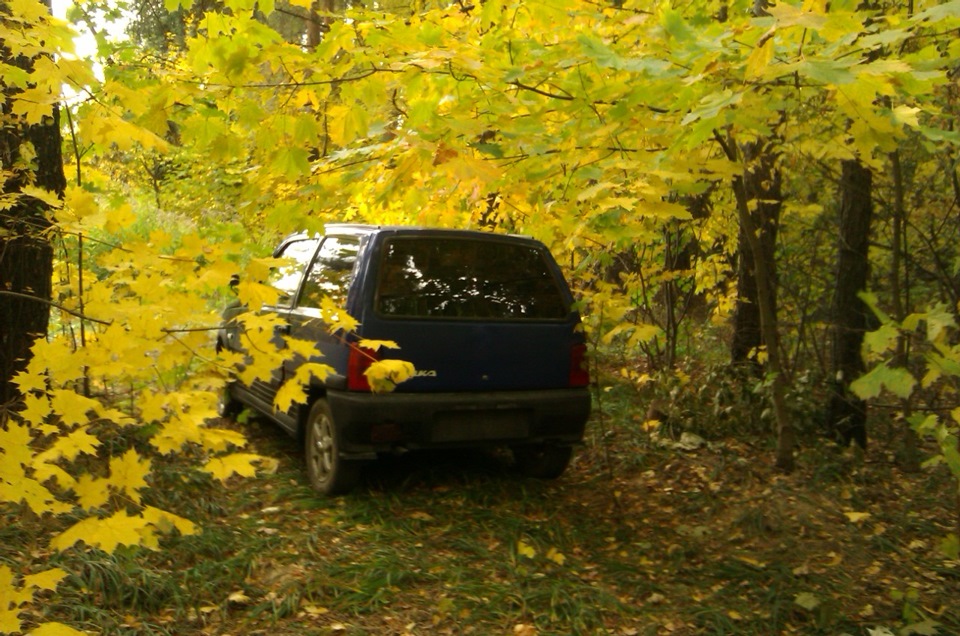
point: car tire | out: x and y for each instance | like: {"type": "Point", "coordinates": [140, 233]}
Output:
{"type": "Point", "coordinates": [227, 406]}
{"type": "Point", "coordinates": [328, 472]}
{"type": "Point", "coordinates": [542, 461]}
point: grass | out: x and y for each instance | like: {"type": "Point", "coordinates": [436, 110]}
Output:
{"type": "Point", "coordinates": [637, 538]}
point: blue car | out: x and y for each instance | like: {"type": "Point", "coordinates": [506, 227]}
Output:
{"type": "Point", "coordinates": [487, 321]}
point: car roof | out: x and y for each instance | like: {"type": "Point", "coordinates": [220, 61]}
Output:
{"type": "Point", "coordinates": [360, 229]}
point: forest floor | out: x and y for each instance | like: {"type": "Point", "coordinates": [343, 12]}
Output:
{"type": "Point", "coordinates": [639, 537]}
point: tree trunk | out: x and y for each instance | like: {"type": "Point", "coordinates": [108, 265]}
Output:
{"type": "Point", "coordinates": [758, 191]}
{"type": "Point", "coordinates": [909, 455]}
{"type": "Point", "coordinates": [26, 253]}
{"type": "Point", "coordinates": [847, 414]}
{"type": "Point", "coordinates": [759, 202]}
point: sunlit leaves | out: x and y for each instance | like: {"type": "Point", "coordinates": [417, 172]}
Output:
{"type": "Point", "coordinates": [385, 375]}
{"type": "Point", "coordinates": [294, 389]}
{"type": "Point", "coordinates": [14, 596]}
{"type": "Point", "coordinates": [898, 381]}
{"type": "Point", "coordinates": [242, 464]}
{"type": "Point", "coordinates": [119, 529]}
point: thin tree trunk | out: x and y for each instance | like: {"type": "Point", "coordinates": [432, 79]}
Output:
{"type": "Point", "coordinates": [847, 414]}
{"type": "Point", "coordinates": [760, 186]}
{"type": "Point", "coordinates": [759, 189]}
{"type": "Point", "coordinates": [899, 289]}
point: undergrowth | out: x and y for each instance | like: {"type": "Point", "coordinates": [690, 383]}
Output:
{"type": "Point", "coordinates": [643, 535]}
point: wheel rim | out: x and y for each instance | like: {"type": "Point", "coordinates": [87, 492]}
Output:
{"type": "Point", "coordinates": [322, 448]}
{"type": "Point", "coordinates": [222, 402]}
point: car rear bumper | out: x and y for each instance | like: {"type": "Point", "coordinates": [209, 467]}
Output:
{"type": "Point", "coordinates": [372, 423]}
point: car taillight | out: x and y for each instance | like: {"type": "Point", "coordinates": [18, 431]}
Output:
{"type": "Point", "coordinates": [359, 361]}
{"type": "Point", "coordinates": [579, 373]}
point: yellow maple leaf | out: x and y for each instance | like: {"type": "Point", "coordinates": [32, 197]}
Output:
{"type": "Point", "coordinates": [255, 295]}
{"type": "Point", "coordinates": [220, 439]}
{"type": "Point", "coordinates": [243, 464]}
{"type": "Point", "coordinates": [34, 106]}
{"type": "Point", "coordinates": [178, 430]}
{"type": "Point", "coordinates": [128, 473]}
{"type": "Point", "coordinates": [36, 407]}
{"type": "Point", "coordinates": [15, 444]}
{"type": "Point", "coordinates": [30, 381]}
{"type": "Point", "coordinates": [72, 407]}
{"type": "Point", "coordinates": [336, 318]}
{"type": "Point", "coordinates": [556, 556]}
{"type": "Point", "coordinates": [385, 375]}
{"type": "Point", "coordinates": [153, 407]}
{"type": "Point", "coordinates": [526, 550]}
{"type": "Point", "coordinates": [46, 580]}
{"type": "Point", "coordinates": [32, 493]}
{"type": "Point", "coordinates": [376, 345]}
{"type": "Point", "coordinates": [48, 197]}
{"type": "Point", "coordinates": [92, 492]}
{"type": "Point", "coordinates": [71, 445]}
{"type": "Point", "coordinates": [293, 390]}
{"type": "Point", "coordinates": [167, 521]}
{"type": "Point", "coordinates": [10, 595]}
{"type": "Point", "coordinates": [55, 629]}
{"type": "Point", "coordinates": [44, 471]}
{"type": "Point", "coordinates": [27, 10]}
{"type": "Point", "coordinates": [9, 621]}
{"type": "Point", "coordinates": [856, 517]}
{"type": "Point", "coordinates": [107, 534]}
{"type": "Point", "coordinates": [54, 356]}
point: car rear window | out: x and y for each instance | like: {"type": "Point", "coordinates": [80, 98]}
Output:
{"type": "Point", "coordinates": [468, 279]}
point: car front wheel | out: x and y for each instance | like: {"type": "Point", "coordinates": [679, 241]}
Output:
{"type": "Point", "coordinates": [227, 406]}
{"type": "Point", "coordinates": [542, 461]}
{"type": "Point", "coordinates": [329, 473]}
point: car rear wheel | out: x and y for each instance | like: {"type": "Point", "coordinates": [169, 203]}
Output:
{"type": "Point", "coordinates": [542, 461]}
{"type": "Point", "coordinates": [329, 473]}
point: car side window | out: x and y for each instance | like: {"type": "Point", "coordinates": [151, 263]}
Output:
{"type": "Point", "coordinates": [331, 272]}
{"type": "Point", "coordinates": [286, 278]}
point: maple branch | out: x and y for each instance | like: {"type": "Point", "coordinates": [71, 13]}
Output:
{"type": "Point", "coordinates": [567, 97]}
{"type": "Point", "coordinates": [72, 312]}
{"type": "Point", "coordinates": [336, 80]}
{"type": "Point", "coordinates": [113, 246]}
{"type": "Point", "coordinates": [727, 149]}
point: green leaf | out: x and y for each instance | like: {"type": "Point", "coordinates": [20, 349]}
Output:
{"type": "Point", "coordinates": [939, 12]}
{"type": "Point", "coordinates": [897, 380]}
{"type": "Point", "coordinates": [291, 162]}
{"type": "Point", "coordinates": [711, 106]}
{"type": "Point", "coordinates": [827, 71]}
{"type": "Point", "coordinates": [939, 321]}
{"type": "Point", "coordinates": [950, 546]}
{"type": "Point", "coordinates": [674, 24]}
{"type": "Point", "coordinates": [882, 340]}
{"type": "Point", "coordinates": [951, 455]}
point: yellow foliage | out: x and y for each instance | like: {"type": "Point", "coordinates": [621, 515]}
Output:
{"type": "Point", "coordinates": [111, 532]}
{"type": "Point", "coordinates": [92, 492]}
{"type": "Point", "coordinates": [128, 474]}
{"type": "Point", "coordinates": [242, 464]}
{"type": "Point", "coordinates": [385, 375]}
